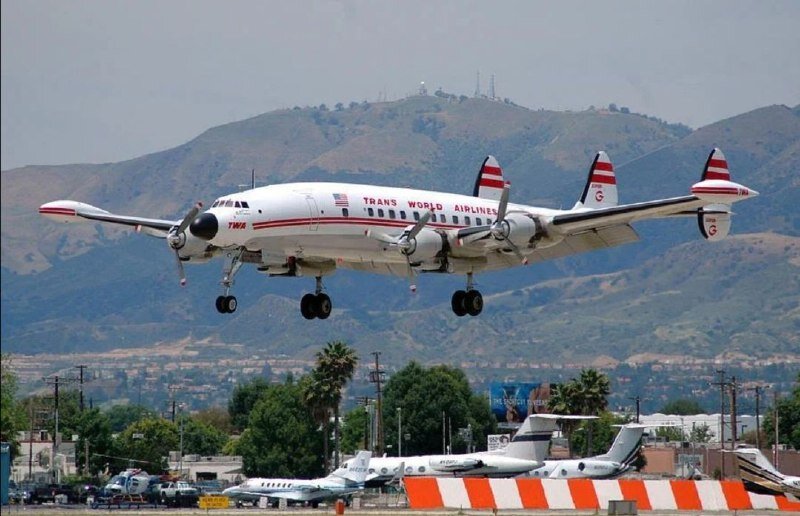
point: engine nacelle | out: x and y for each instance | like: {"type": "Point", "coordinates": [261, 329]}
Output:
{"type": "Point", "coordinates": [520, 228]}
{"type": "Point", "coordinates": [453, 464]}
{"type": "Point", "coordinates": [425, 246]}
{"type": "Point", "coordinates": [191, 248]}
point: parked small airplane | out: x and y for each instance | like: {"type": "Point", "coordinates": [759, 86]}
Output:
{"type": "Point", "coordinates": [759, 475]}
{"type": "Point", "coordinates": [617, 461]}
{"type": "Point", "coordinates": [525, 452]}
{"type": "Point", "coordinates": [311, 229]}
{"type": "Point", "coordinates": [342, 483]}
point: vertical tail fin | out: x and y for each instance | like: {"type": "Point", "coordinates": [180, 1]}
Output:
{"type": "Point", "coordinates": [601, 185]}
{"type": "Point", "coordinates": [714, 220]}
{"type": "Point", "coordinates": [716, 166]}
{"type": "Point", "coordinates": [356, 469]}
{"type": "Point", "coordinates": [489, 183]}
{"type": "Point", "coordinates": [626, 444]}
{"type": "Point", "coordinates": [532, 440]}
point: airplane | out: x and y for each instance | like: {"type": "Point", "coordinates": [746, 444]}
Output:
{"type": "Point", "coordinates": [342, 483]}
{"type": "Point", "coordinates": [312, 229]}
{"type": "Point", "coordinates": [525, 452]}
{"type": "Point", "coordinates": [760, 476]}
{"type": "Point", "coordinates": [612, 464]}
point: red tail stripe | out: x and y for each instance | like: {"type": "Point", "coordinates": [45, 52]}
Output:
{"type": "Point", "coordinates": [718, 163]}
{"type": "Point", "coordinates": [492, 171]}
{"type": "Point", "coordinates": [604, 165]}
{"type": "Point", "coordinates": [606, 180]}
{"type": "Point", "coordinates": [492, 183]}
{"type": "Point", "coordinates": [717, 175]}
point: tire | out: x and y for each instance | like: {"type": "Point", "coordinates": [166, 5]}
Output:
{"type": "Point", "coordinates": [164, 500]}
{"type": "Point", "coordinates": [307, 306]}
{"type": "Point", "coordinates": [457, 303]}
{"type": "Point", "coordinates": [230, 304]}
{"type": "Point", "coordinates": [323, 306]}
{"type": "Point", "coordinates": [473, 302]}
{"type": "Point", "coordinates": [220, 304]}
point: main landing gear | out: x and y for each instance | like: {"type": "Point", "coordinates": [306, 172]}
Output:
{"type": "Point", "coordinates": [469, 301]}
{"type": "Point", "coordinates": [317, 305]}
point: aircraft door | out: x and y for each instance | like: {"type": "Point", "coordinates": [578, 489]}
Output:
{"type": "Point", "coordinates": [313, 210]}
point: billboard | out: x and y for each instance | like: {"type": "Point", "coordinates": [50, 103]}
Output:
{"type": "Point", "coordinates": [512, 402]}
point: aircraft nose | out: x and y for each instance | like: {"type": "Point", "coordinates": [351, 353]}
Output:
{"type": "Point", "coordinates": [205, 226]}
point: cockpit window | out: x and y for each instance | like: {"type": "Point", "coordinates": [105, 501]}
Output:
{"type": "Point", "coordinates": [229, 204]}
{"type": "Point", "coordinates": [245, 205]}
{"type": "Point", "coordinates": [237, 204]}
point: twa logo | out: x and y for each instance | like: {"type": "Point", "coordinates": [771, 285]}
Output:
{"type": "Point", "coordinates": [712, 230]}
{"type": "Point", "coordinates": [237, 225]}
{"type": "Point", "coordinates": [599, 196]}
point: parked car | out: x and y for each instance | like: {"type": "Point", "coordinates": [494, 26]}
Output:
{"type": "Point", "coordinates": [14, 492]}
{"type": "Point", "coordinates": [42, 493]}
{"type": "Point", "coordinates": [178, 494]}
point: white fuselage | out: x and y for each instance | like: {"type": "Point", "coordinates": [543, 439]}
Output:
{"type": "Point", "coordinates": [383, 469]}
{"type": "Point", "coordinates": [579, 468]}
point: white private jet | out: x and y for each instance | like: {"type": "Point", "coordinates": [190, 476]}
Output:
{"type": "Point", "coordinates": [342, 483]}
{"type": "Point", "coordinates": [525, 452]}
{"type": "Point", "coordinates": [759, 475]}
{"type": "Point", "coordinates": [311, 229]}
{"type": "Point", "coordinates": [617, 461]}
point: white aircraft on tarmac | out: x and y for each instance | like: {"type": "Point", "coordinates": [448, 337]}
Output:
{"type": "Point", "coordinates": [342, 483]}
{"type": "Point", "coordinates": [311, 229]}
{"type": "Point", "coordinates": [525, 452]}
{"type": "Point", "coordinates": [617, 461]}
{"type": "Point", "coordinates": [759, 475]}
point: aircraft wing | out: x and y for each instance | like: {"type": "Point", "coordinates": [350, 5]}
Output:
{"type": "Point", "coordinates": [72, 211]}
{"type": "Point", "coordinates": [573, 223]}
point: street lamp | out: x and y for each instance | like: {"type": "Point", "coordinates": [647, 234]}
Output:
{"type": "Point", "coordinates": [399, 432]}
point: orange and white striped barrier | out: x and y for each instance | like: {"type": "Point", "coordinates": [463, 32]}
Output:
{"type": "Point", "coordinates": [534, 493]}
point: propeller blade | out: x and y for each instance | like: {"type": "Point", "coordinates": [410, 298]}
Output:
{"type": "Point", "coordinates": [380, 237]}
{"type": "Point", "coordinates": [189, 217]}
{"type": "Point", "coordinates": [517, 252]}
{"type": "Point", "coordinates": [181, 273]}
{"type": "Point", "coordinates": [501, 208]}
{"type": "Point", "coordinates": [419, 225]}
{"type": "Point", "coordinates": [412, 284]}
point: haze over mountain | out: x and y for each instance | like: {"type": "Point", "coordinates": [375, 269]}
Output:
{"type": "Point", "coordinates": [87, 287]}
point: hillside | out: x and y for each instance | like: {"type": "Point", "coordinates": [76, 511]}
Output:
{"type": "Point", "coordinates": [95, 288]}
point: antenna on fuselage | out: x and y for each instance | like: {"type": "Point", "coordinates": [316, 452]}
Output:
{"type": "Point", "coordinates": [252, 184]}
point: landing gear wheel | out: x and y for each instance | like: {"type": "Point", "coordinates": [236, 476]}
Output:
{"type": "Point", "coordinates": [457, 302]}
{"type": "Point", "coordinates": [220, 304]}
{"type": "Point", "coordinates": [473, 302]}
{"type": "Point", "coordinates": [307, 307]}
{"type": "Point", "coordinates": [323, 306]}
{"type": "Point", "coordinates": [230, 304]}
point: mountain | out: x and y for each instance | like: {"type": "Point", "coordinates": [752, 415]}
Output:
{"type": "Point", "coordinates": [95, 288]}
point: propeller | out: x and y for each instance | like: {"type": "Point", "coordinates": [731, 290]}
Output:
{"type": "Point", "coordinates": [405, 243]}
{"type": "Point", "coordinates": [499, 228]}
{"type": "Point", "coordinates": [177, 237]}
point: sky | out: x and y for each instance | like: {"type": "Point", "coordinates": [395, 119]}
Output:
{"type": "Point", "coordinates": [96, 81]}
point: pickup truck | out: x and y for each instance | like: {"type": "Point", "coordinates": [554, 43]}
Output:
{"type": "Point", "coordinates": [178, 494]}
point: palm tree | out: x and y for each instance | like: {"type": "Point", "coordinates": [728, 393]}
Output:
{"type": "Point", "coordinates": [336, 363]}
{"type": "Point", "coordinates": [564, 399]}
{"type": "Point", "coordinates": [317, 396]}
{"type": "Point", "coordinates": [593, 388]}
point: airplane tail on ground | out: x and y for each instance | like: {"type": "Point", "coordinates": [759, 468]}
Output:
{"type": "Point", "coordinates": [355, 471]}
{"type": "Point", "coordinates": [489, 183]}
{"type": "Point", "coordinates": [601, 185]}
{"type": "Point", "coordinates": [759, 475]}
{"type": "Point", "coordinates": [626, 445]}
{"type": "Point", "coordinates": [532, 440]}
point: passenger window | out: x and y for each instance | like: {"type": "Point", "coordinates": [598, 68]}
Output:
{"type": "Point", "coordinates": [380, 212]}
{"type": "Point", "coordinates": [467, 221]}
{"type": "Point", "coordinates": [422, 469]}
{"type": "Point", "coordinates": [416, 215]}
{"type": "Point", "coordinates": [370, 212]}
{"type": "Point", "coordinates": [345, 213]}
{"type": "Point", "coordinates": [392, 215]}
{"type": "Point", "coordinates": [402, 214]}
{"type": "Point", "coordinates": [479, 221]}
{"type": "Point", "coordinates": [455, 219]}
{"type": "Point", "coordinates": [245, 205]}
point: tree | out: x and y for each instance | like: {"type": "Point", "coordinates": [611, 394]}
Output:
{"type": "Point", "coordinates": [564, 400]}
{"type": "Point", "coordinates": [317, 394]}
{"type": "Point", "coordinates": [121, 417]}
{"type": "Point", "coordinates": [354, 430]}
{"type": "Point", "coordinates": [788, 419]}
{"type": "Point", "coordinates": [700, 433]}
{"type": "Point", "coordinates": [12, 412]}
{"type": "Point", "coordinates": [682, 407]}
{"type": "Point", "coordinates": [336, 364]}
{"type": "Point", "coordinates": [243, 399]}
{"type": "Point", "coordinates": [216, 417]}
{"type": "Point", "coordinates": [201, 438]}
{"type": "Point", "coordinates": [670, 433]}
{"type": "Point", "coordinates": [148, 442]}
{"type": "Point", "coordinates": [424, 395]}
{"type": "Point", "coordinates": [281, 438]}
{"type": "Point", "coordinates": [586, 395]}
{"type": "Point", "coordinates": [94, 436]}
{"type": "Point", "coordinates": [602, 431]}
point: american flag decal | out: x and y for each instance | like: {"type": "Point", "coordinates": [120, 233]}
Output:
{"type": "Point", "coordinates": [340, 199]}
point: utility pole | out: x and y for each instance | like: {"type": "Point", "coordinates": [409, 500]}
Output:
{"type": "Point", "coordinates": [638, 400]}
{"type": "Point", "coordinates": [366, 402]}
{"type": "Point", "coordinates": [733, 412]}
{"type": "Point", "coordinates": [721, 384]}
{"type": "Point", "coordinates": [172, 390]}
{"type": "Point", "coordinates": [55, 381]}
{"type": "Point", "coordinates": [81, 367]}
{"type": "Point", "coordinates": [758, 390]}
{"type": "Point", "coordinates": [376, 377]}
{"type": "Point", "coordinates": [777, 425]}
